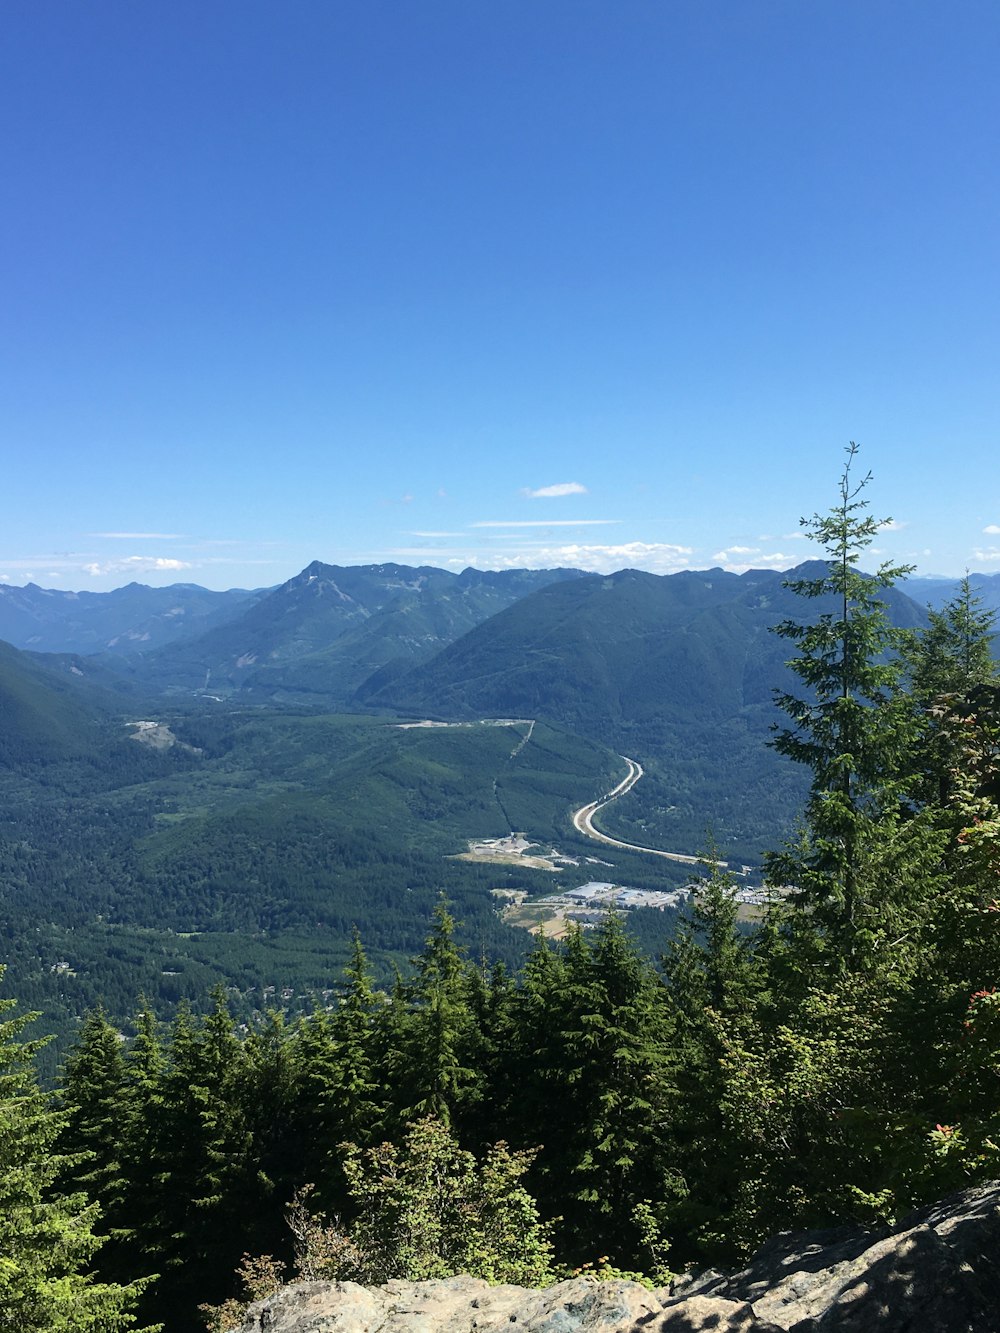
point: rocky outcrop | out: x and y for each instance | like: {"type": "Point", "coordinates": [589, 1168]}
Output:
{"type": "Point", "coordinates": [453, 1305]}
{"type": "Point", "coordinates": [936, 1272]}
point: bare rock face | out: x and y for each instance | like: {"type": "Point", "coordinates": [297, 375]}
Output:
{"type": "Point", "coordinates": [936, 1272]}
{"type": "Point", "coordinates": [453, 1305]}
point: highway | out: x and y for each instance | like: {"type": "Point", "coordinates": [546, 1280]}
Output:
{"type": "Point", "coordinates": [583, 820]}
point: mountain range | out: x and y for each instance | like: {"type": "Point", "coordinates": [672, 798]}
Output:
{"type": "Point", "coordinates": [276, 801]}
{"type": "Point", "coordinates": [332, 625]}
{"type": "Point", "coordinates": [132, 619]}
{"type": "Point", "coordinates": [319, 636]}
{"type": "Point", "coordinates": [678, 671]}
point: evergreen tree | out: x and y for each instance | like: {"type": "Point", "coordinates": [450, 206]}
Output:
{"type": "Point", "coordinates": [206, 1192]}
{"type": "Point", "coordinates": [594, 1034]}
{"type": "Point", "coordinates": [313, 1127]}
{"type": "Point", "coordinates": [267, 1094]}
{"type": "Point", "coordinates": [710, 962]}
{"type": "Point", "coordinates": [951, 666]}
{"type": "Point", "coordinates": [852, 726]}
{"type": "Point", "coordinates": [827, 1072]}
{"type": "Point", "coordinates": [493, 1001]}
{"type": "Point", "coordinates": [715, 981]}
{"type": "Point", "coordinates": [97, 1103]}
{"type": "Point", "coordinates": [635, 1092]}
{"type": "Point", "coordinates": [438, 1038]}
{"type": "Point", "coordinates": [354, 1101]}
{"type": "Point", "coordinates": [340, 1096]}
{"type": "Point", "coordinates": [93, 1097]}
{"type": "Point", "coordinates": [954, 653]}
{"type": "Point", "coordinates": [47, 1240]}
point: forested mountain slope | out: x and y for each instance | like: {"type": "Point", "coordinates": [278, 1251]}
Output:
{"type": "Point", "coordinates": [58, 708]}
{"type": "Point", "coordinates": [936, 592]}
{"type": "Point", "coordinates": [248, 846]}
{"type": "Point", "coordinates": [613, 654]}
{"type": "Point", "coordinates": [839, 1063]}
{"type": "Point", "coordinates": [679, 671]}
{"type": "Point", "coordinates": [322, 633]}
{"type": "Point", "coordinates": [132, 619]}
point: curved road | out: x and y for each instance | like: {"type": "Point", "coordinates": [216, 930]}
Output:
{"type": "Point", "coordinates": [583, 820]}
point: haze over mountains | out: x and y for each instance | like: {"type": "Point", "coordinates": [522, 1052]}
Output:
{"type": "Point", "coordinates": [132, 619]}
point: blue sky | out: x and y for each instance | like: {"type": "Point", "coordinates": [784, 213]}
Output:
{"type": "Point", "coordinates": [526, 282]}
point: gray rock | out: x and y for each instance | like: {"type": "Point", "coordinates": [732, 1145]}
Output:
{"type": "Point", "coordinates": [938, 1271]}
{"type": "Point", "coordinates": [452, 1305]}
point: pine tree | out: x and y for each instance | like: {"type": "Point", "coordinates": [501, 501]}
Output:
{"type": "Point", "coordinates": [951, 668]}
{"type": "Point", "coordinates": [593, 1033]}
{"type": "Point", "coordinates": [636, 1088]}
{"type": "Point", "coordinates": [47, 1240]}
{"type": "Point", "coordinates": [205, 1189]}
{"type": "Point", "coordinates": [353, 1102]}
{"type": "Point", "coordinates": [954, 653]}
{"type": "Point", "coordinates": [266, 1092]}
{"type": "Point", "coordinates": [715, 981]}
{"type": "Point", "coordinates": [822, 1073]}
{"type": "Point", "coordinates": [433, 1057]}
{"type": "Point", "coordinates": [852, 726]}
{"type": "Point", "coordinates": [97, 1103]}
{"type": "Point", "coordinates": [493, 1001]}
{"type": "Point", "coordinates": [313, 1126]}
{"type": "Point", "coordinates": [340, 1096]}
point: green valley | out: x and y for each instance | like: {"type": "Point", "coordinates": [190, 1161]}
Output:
{"type": "Point", "coordinates": [249, 849]}
{"type": "Point", "coordinates": [229, 805]}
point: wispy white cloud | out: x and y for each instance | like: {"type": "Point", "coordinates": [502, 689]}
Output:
{"type": "Point", "coordinates": [738, 559]}
{"type": "Point", "coordinates": [83, 568]}
{"type": "Point", "coordinates": [67, 560]}
{"type": "Point", "coordinates": [892, 525]}
{"type": "Point", "coordinates": [546, 523]}
{"type": "Point", "coordinates": [444, 555]}
{"type": "Point", "coordinates": [135, 564]}
{"type": "Point", "coordinates": [206, 543]}
{"type": "Point", "coordinates": [987, 553]}
{"type": "Point", "coordinates": [554, 492]}
{"type": "Point", "coordinates": [992, 529]}
{"type": "Point", "coordinates": [140, 536]}
{"type": "Point", "coordinates": [656, 557]}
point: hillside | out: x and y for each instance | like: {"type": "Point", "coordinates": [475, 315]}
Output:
{"type": "Point", "coordinates": [678, 671]}
{"type": "Point", "coordinates": [249, 847]}
{"type": "Point", "coordinates": [59, 709]}
{"type": "Point", "coordinates": [132, 619]}
{"type": "Point", "coordinates": [935, 592]}
{"type": "Point", "coordinates": [42, 717]}
{"type": "Point", "coordinates": [318, 636]}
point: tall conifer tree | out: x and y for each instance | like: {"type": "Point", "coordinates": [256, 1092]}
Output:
{"type": "Point", "coordinates": [47, 1240]}
{"type": "Point", "coordinates": [851, 725]}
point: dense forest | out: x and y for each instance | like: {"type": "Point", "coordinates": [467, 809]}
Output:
{"type": "Point", "coordinates": [594, 1107]}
